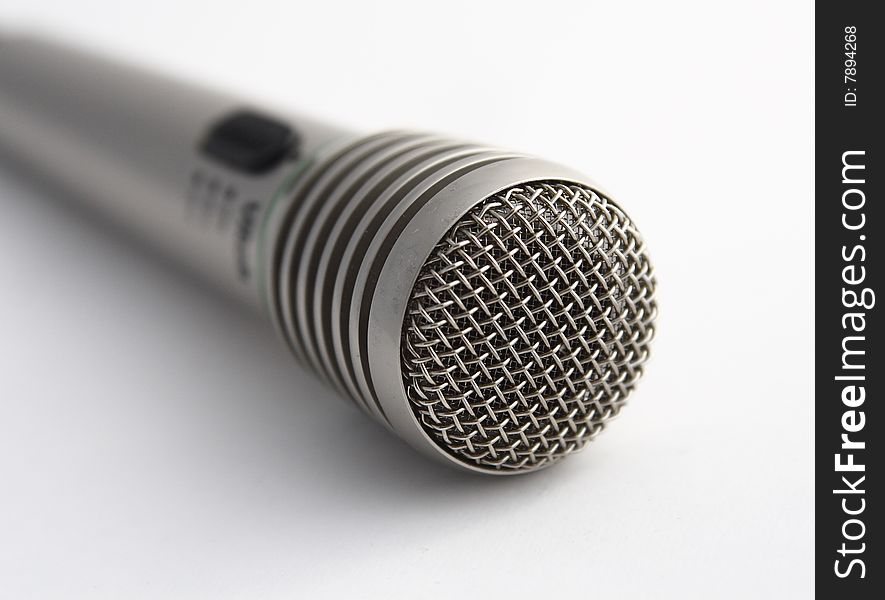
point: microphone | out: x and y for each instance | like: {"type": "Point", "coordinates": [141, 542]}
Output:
{"type": "Point", "coordinates": [491, 308]}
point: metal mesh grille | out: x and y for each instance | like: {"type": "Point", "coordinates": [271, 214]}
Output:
{"type": "Point", "coordinates": [528, 326]}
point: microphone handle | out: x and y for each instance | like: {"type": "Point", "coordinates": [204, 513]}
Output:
{"type": "Point", "coordinates": [191, 171]}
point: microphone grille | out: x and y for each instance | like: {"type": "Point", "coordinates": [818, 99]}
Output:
{"type": "Point", "coordinates": [528, 326]}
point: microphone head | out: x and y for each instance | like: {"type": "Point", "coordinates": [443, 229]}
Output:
{"type": "Point", "coordinates": [528, 326]}
{"type": "Point", "coordinates": [493, 310]}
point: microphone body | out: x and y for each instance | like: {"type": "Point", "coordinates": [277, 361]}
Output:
{"type": "Point", "coordinates": [129, 143]}
{"type": "Point", "coordinates": [491, 308]}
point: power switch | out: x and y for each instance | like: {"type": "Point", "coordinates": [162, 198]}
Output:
{"type": "Point", "coordinates": [250, 142]}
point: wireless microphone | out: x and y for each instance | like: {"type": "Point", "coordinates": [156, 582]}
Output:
{"type": "Point", "coordinates": [491, 308]}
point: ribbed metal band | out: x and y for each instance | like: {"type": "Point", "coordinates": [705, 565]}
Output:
{"type": "Point", "coordinates": [334, 230]}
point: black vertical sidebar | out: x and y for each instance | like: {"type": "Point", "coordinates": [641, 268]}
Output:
{"type": "Point", "coordinates": [849, 331]}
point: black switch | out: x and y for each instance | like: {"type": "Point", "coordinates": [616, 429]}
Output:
{"type": "Point", "coordinates": [250, 142]}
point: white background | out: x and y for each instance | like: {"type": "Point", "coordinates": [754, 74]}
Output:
{"type": "Point", "coordinates": [155, 442]}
